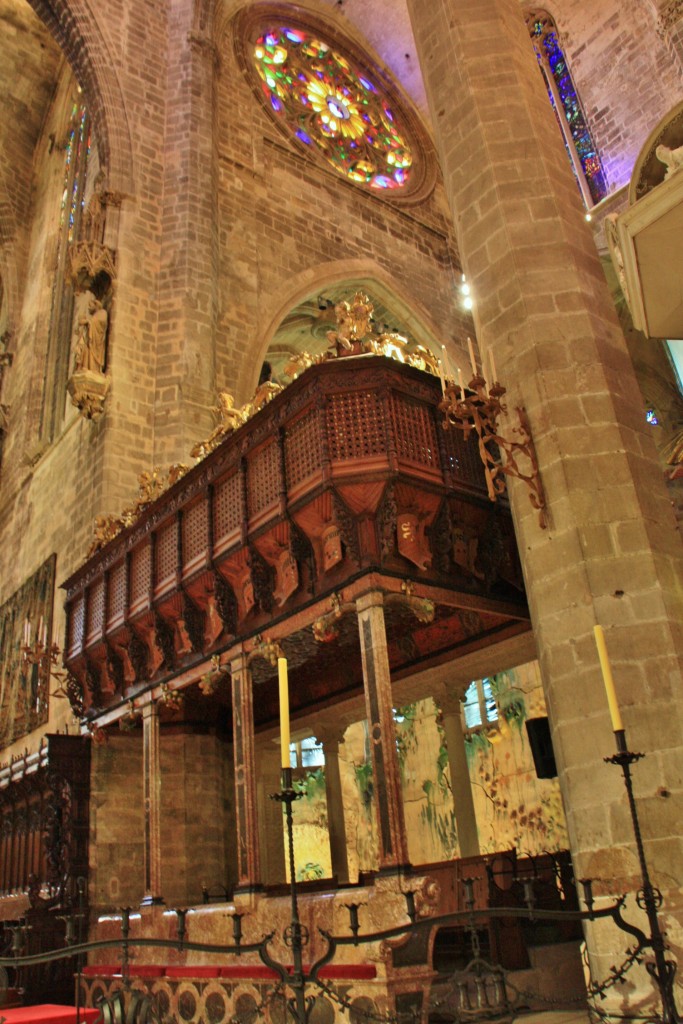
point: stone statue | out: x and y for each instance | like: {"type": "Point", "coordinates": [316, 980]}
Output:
{"type": "Point", "coordinates": [91, 341]}
{"type": "Point", "coordinates": [671, 158]}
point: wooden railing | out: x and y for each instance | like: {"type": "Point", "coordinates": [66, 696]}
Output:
{"type": "Point", "coordinates": [346, 470]}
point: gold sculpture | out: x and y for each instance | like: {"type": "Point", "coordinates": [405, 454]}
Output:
{"type": "Point", "coordinates": [151, 485]}
{"type": "Point", "coordinates": [229, 419]}
{"type": "Point", "coordinates": [353, 322]}
{"type": "Point", "coordinates": [478, 409]}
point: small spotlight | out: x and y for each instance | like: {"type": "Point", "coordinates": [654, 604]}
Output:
{"type": "Point", "coordinates": [588, 216]}
{"type": "Point", "coordinates": [467, 302]}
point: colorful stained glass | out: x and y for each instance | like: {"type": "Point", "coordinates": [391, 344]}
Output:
{"type": "Point", "coordinates": [333, 107]}
{"type": "Point", "coordinates": [75, 162]}
{"type": "Point", "coordinates": [561, 88]}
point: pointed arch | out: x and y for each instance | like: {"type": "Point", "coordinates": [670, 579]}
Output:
{"type": "Point", "coordinates": [357, 273]}
{"type": "Point", "coordinates": [74, 27]}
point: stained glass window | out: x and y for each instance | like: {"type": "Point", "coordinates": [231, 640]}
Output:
{"type": "Point", "coordinates": [333, 107]}
{"type": "Point", "coordinates": [77, 140]}
{"type": "Point", "coordinates": [75, 163]}
{"type": "Point", "coordinates": [566, 104]}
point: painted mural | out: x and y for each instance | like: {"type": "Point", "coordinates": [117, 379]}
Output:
{"type": "Point", "coordinates": [514, 809]}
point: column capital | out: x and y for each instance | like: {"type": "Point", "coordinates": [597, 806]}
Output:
{"type": "Point", "coordinates": [449, 701]}
{"type": "Point", "coordinates": [330, 733]}
{"type": "Point", "coordinates": [372, 599]}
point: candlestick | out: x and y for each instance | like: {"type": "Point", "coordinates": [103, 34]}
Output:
{"type": "Point", "coordinates": [446, 364]}
{"type": "Point", "coordinates": [462, 389]}
{"type": "Point", "coordinates": [284, 711]}
{"type": "Point", "coordinates": [473, 361]}
{"type": "Point", "coordinates": [615, 713]}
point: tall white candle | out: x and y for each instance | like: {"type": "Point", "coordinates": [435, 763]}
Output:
{"type": "Point", "coordinates": [283, 685]}
{"type": "Point", "coordinates": [448, 369]}
{"type": "Point", "coordinates": [608, 680]}
{"type": "Point", "coordinates": [473, 361]}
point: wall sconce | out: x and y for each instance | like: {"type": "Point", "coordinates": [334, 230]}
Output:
{"type": "Point", "coordinates": [477, 408]}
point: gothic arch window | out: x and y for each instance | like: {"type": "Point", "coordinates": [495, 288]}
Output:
{"type": "Point", "coordinates": [76, 145]}
{"type": "Point", "coordinates": [567, 106]}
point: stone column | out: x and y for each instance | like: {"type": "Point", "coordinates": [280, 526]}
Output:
{"type": "Point", "coordinates": [330, 739]}
{"type": "Point", "coordinates": [393, 851]}
{"type": "Point", "coordinates": [611, 553]}
{"type": "Point", "coordinates": [461, 787]}
{"type": "Point", "coordinates": [185, 357]}
{"type": "Point", "coordinates": [151, 773]}
{"type": "Point", "coordinates": [248, 853]}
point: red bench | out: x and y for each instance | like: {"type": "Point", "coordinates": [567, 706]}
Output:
{"type": "Point", "coordinates": [256, 972]}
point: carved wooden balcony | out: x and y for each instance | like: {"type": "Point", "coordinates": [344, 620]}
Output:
{"type": "Point", "coordinates": [346, 473]}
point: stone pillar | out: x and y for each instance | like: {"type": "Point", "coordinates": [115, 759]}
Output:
{"type": "Point", "coordinates": [248, 853]}
{"type": "Point", "coordinates": [461, 787]}
{"type": "Point", "coordinates": [185, 358]}
{"type": "Point", "coordinates": [393, 846]}
{"type": "Point", "coordinates": [151, 773]}
{"type": "Point", "coordinates": [611, 553]}
{"type": "Point", "coordinates": [330, 740]}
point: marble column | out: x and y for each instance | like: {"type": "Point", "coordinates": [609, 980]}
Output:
{"type": "Point", "coordinates": [248, 851]}
{"type": "Point", "coordinates": [611, 553]}
{"type": "Point", "coordinates": [151, 771]}
{"type": "Point", "coordinates": [330, 739]}
{"type": "Point", "coordinates": [461, 787]}
{"type": "Point", "coordinates": [393, 852]}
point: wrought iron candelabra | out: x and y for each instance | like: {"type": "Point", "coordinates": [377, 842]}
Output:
{"type": "Point", "coordinates": [478, 407]}
{"type": "Point", "coordinates": [649, 897]}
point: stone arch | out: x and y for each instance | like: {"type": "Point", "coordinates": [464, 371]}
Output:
{"type": "Point", "coordinates": [75, 28]}
{"type": "Point", "coordinates": [358, 273]}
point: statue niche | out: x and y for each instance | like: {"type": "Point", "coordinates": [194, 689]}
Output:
{"type": "Point", "coordinates": [92, 272]}
{"type": "Point", "coordinates": [88, 385]}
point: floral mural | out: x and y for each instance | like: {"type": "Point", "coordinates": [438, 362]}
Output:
{"type": "Point", "coordinates": [514, 809]}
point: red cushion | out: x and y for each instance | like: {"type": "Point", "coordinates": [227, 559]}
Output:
{"type": "Point", "coordinates": [348, 971]}
{"type": "Point", "coordinates": [146, 970]}
{"type": "Point", "coordinates": [48, 1013]}
{"type": "Point", "coordinates": [248, 971]}
{"type": "Point", "coordinates": [96, 969]}
{"type": "Point", "coordinates": [193, 971]}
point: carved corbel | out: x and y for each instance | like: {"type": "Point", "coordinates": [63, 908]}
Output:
{"type": "Point", "coordinates": [422, 608]}
{"type": "Point", "coordinates": [268, 650]}
{"type": "Point", "coordinates": [222, 604]}
{"type": "Point", "coordinates": [326, 628]}
{"type": "Point", "coordinates": [262, 580]}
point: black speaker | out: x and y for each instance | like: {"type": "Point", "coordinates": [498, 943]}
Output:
{"type": "Point", "coordinates": [538, 731]}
